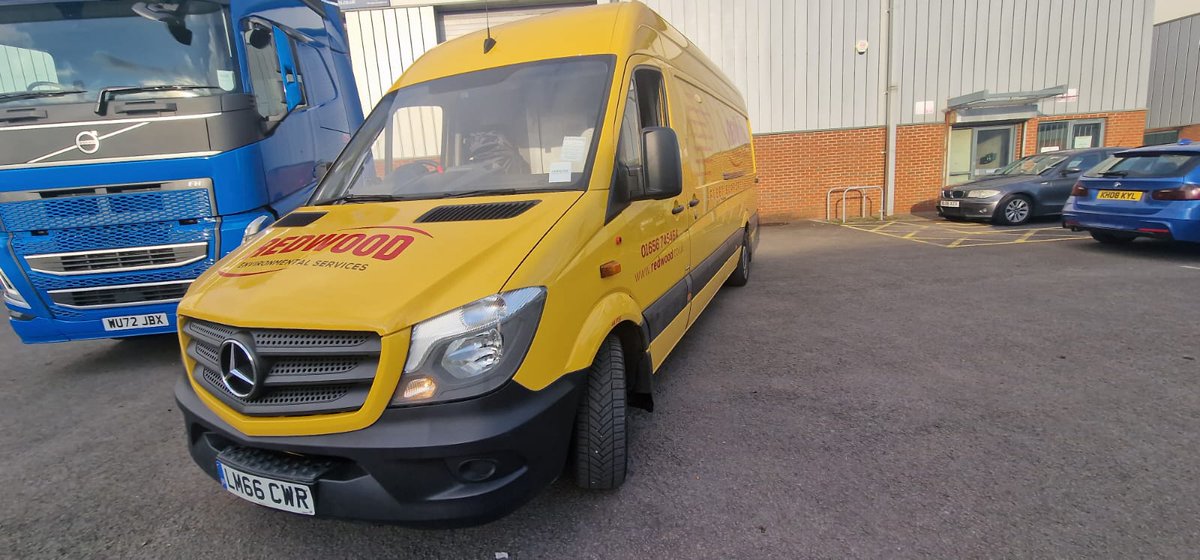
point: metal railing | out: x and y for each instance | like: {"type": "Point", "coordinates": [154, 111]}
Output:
{"type": "Point", "coordinates": [862, 192]}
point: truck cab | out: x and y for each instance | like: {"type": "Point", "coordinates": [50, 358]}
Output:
{"type": "Point", "coordinates": [143, 141]}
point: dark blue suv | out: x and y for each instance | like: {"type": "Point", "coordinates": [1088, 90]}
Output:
{"type": "Point", "coordinates": [1145, 192]}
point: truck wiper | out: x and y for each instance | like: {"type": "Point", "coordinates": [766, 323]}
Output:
{"type": "Point", "coordinates": [37, 94]}
{"type": "Point", "coordinates": [102, 100]}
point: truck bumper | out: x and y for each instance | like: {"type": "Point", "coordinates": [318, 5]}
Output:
{"type": "Point", "coordinates": [38, 330]}
{"type": "Point", "coordinates": [451, 464]}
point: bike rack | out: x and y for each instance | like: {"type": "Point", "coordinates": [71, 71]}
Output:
{"type": "Point", "coordinates": [862, 191]}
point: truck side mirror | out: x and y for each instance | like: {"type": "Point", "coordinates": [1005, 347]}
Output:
{"type": "Point", "coordinates": [662, 163]}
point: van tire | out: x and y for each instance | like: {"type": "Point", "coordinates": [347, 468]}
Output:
{"type": "Point", "coordinates": [741, 274]}
{"type": "Point", "coordinates": [601, 447]}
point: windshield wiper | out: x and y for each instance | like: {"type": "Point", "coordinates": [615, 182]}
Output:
{"type": "Point", "coordinates": [480, 192]}
{"type": "Point", "coordinates": [102, 100]}
{"type": "Point", "coordinates": [353, 198]}
{"type": "Point", "coordinates": [1117, 173]}
{"type": "Point", "coordinates": [37, 94]}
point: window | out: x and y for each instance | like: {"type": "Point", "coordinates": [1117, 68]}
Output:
{"type": "Point", "coordinates": [1070, 135]}
{"type": "Point", "coordinates": [1147, 165]}
{"type": "Point", "coordinates": [1084, 162]}
{"type": "Point", "coordinates": [645, 107]}
{"type": "Point", "coordinates": [1161, 137]}
{"type": "Point", "coordinates": [525, 127]}
{"type": "Point", "coordinates": [274, 73]}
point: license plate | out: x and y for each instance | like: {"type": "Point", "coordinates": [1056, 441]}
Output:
{"type": "Point", "coordinates": [296, 498]}
{"type": "Point", "coordinates": [135, 322]}
{"type": "Point", "coordinates": [949, 203]}
{"type": "Point", "coordinates": [1119, 195]}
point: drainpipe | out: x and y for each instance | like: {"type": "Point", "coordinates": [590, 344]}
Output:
{"type": "Point", "coordinates": [890, 111]}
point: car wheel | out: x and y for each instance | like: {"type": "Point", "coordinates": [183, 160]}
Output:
{"type": "Point", "coordinates": [1111, 238]}
{"type": "Point", "coordinates": [601, 448]}
{"type": "Point", "coordinates": [1014, 210]}
{"type": "Point", "coordinates": [741, 274]}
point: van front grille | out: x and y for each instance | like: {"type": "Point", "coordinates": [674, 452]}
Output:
{"type": "Point", "coordinates": [303, 372]}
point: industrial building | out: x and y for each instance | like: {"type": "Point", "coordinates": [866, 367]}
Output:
{"type": "Point", "coordinates": [902, 94]}
{"type": "Point", "coordinates": [1174, 110]}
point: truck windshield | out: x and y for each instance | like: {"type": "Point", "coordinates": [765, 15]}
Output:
{"type": "Point", "coordinates": [525, 127]}
{"type": "Point", "coordinates": [83, 47]}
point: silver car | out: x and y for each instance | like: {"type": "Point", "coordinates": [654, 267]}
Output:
{"type": "Point", "coordinates": [1037, 185]}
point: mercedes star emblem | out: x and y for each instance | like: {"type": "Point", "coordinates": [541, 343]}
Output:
{"type": "Point", "coordinates": [239, 369]}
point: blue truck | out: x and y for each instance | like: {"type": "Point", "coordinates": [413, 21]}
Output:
{"type": "Point", "coordinates": [142, 141]}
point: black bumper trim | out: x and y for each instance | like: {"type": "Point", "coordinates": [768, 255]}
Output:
{"type": "Point", "coordinates": [409, 467]}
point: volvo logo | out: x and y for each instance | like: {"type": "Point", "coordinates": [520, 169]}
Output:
{"type": "Point", "coordinates": [88, 141]}
{"type": "Point", "coordinates": [239, 369]}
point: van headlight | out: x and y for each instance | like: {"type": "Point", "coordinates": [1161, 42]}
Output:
{"type": "Point", "coordinates": [470, 350]}
{"type": "Point", "coordinates": [11, 295]}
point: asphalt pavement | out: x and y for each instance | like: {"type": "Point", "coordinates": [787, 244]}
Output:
{"type": "Point", "coordinates": [865, 396]}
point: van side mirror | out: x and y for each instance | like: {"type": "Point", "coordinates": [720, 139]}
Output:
{"type": "Point", "coordinates": [662, 163]}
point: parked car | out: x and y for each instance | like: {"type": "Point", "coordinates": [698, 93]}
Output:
{"type": "Point", "coordinates": [1037, 185]}
{"type": "Point", "coordinates": [1146, 192]}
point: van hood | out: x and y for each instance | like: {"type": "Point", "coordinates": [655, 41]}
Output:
{"type": "Point", "coordinates": [375, 266]}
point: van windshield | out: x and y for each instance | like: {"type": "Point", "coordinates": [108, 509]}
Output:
{"type": "Point", "coordinates": [526, 127]}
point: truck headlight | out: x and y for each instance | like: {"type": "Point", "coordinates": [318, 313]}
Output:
{"type": "Point", "coordinates": [11, 295]}
{"type": "Point", "coordinates": [982, 193]}
{"type": "Point", "coordinates": [470, 350]}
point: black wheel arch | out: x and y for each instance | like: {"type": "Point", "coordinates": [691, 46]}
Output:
{"type": "Point", "coordinates": [635, 341]}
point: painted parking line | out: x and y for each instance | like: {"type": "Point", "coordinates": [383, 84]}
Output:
{"type": "Point", "coordinates": [953, 235]}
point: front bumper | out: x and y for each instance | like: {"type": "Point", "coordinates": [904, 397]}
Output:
{"type": "Point", "coordinates": [967, 208]}
{"type": "Point", "coordinates": [420, 465]}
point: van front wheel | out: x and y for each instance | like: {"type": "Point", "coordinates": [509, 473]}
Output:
{"type": "Point", "coordinates": [741, 274]}
{"type": "Point", "coordinates": [601, 449]}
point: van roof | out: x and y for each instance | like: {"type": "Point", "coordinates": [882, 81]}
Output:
{"type": "Point", "coordinates": [619, 28]}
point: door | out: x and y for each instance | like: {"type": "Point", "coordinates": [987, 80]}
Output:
{"type": "Point", "coordinates": [1062, 179]}
{"type": "Point", "coordinates": [282, 98]}
{"type": "Point", "coordinates": [974, 153]}
{"type": "Point", "coordinates": [655, 234]}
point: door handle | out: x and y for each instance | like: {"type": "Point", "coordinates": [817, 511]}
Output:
{"type": "Point", "coordinates": [693, 202]}
{"type": "Point", "coordinates": [677, 209]}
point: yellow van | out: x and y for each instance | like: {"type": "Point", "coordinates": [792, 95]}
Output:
{"type": "Point", "coordinates": [485, 281]}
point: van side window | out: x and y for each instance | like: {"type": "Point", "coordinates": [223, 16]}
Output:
{"type": "Point", "coordinates": [629, 149]}
{"type": "Point", "coordinates": [645, 106]}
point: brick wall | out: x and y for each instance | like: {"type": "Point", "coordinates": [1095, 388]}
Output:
{"type": "Point", "coordinates": [796, 169]}
{"type": "Point", "coordinates": [1190, 132]}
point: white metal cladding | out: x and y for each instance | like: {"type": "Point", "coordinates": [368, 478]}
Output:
{"type": "Point", "coordinates": [796, 63]}
{"type": "Point", "coordinates": [1175, 74]}
{"type": "Point", "coordinates": [384, 43]}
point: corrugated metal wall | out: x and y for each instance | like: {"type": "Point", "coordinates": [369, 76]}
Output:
{"type": "Point", "coordinates": [383, 43]}
{"type": "Point", "coordinates": [1175, 74]}
{"type": "Point", "coordinates": [795, 60]}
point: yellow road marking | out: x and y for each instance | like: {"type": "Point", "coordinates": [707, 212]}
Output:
{"type": "Point", "coordinates": [953, 235]}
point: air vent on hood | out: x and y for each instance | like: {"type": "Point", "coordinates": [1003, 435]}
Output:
{"type": "Point", "coordinates": [298, 219]}
{"type": "Point", "coordinates": [474, 212]}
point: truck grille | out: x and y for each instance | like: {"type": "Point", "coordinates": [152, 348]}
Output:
{"type": "Point", "coordinates": [118, 260]}
{"type": "Point", "coordinates": [306, 372]}
{"type": "Point", "coordinates": [106, 205]}
{"type": "Point", "coordinates": [118, 296]}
